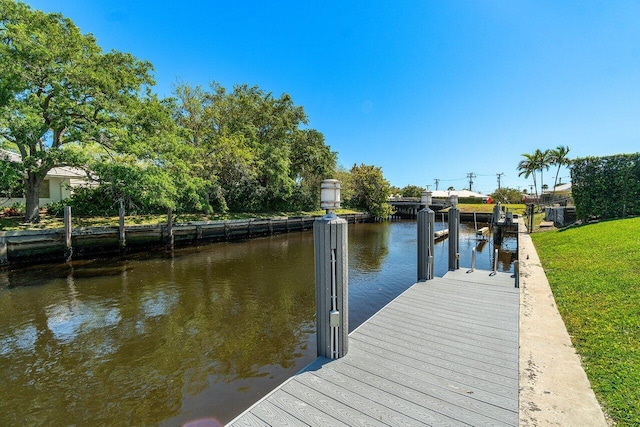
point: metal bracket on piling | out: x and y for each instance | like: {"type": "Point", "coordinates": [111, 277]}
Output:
{"type": "Point", "coordinates": [516, 273]}
{"type": "Point", "coordinates": [495, 263]}
{"type": "Point", "coordinates": [473, 260]}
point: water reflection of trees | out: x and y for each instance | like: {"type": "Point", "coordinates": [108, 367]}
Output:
{"type": "Point", "coordinates": [123, 349]}
{"type": "Point", "coordinates": [369, 245]}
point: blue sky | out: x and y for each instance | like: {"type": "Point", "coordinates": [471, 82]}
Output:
{"type": "Point", "coordinates": [423, 89]}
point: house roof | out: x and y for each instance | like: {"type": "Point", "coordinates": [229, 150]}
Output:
{"type": "Point", "coordinates": [57, 172]}
{"type": "Point", "coordinates": [562, 188]}
{"type": "Point", "coordinates": [10, 156]}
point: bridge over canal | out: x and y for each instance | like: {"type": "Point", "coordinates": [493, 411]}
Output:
{"type": "Point", "coordinates": [408, 207]}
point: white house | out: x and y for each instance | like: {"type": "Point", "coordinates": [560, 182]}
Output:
{"type": "Point", "coordinates": [445, 194]}
{"type": "Point", "coordinates": [57, 185]}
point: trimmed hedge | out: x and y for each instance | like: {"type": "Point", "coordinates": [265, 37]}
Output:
{"type": "Point", "coordinates": [606, 187]}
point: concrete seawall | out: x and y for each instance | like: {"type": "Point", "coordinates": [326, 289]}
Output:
{"type": "Point", "coordinates": [34, 246]}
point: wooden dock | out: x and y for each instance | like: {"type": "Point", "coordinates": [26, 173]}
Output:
{"type": "Point", "coordinates": [445, 352]}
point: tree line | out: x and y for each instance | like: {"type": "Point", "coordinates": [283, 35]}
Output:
{"type": "Point", "coordinates": [65, 102]}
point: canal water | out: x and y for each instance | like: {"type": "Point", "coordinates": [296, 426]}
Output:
{"type": "Point", "coordinates": [164, 339]}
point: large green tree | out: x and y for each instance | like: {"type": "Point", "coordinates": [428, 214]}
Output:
{"type": "Point", "coordinates": [507, 195]}
{"type": "Point", "coordinates": [368, 190]}
{"type": "Point", "coordinates": [251, 147]}
{"type": "Point", "coordinates": [10, 178]}
{"type": "Point", "coordinates": [153, 171]}
{"type": "Point", "coordinates": [411, 191]}
{"type": "Point", "coordinates": [59, 90]}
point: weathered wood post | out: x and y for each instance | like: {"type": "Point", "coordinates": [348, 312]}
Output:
{"type": "Point", "coordinates": [122, 241]}
{"type": "Point", "coordinates": [495, 216]}
{"type": "Point", "coordinates": [497, 226]}
{"type": "Point", "coordinates": [454, 243]}
{"type": "Point", "coordinates": [170, 238]}
{"type": "Point", "coordinates": [330, 245]}
{"type": "Point", "coordinates": [531, 211]}
{"type": "Point", "coordinates": [426, 238]}
{"type": "Point", "coordinates": [4, 251]}
{"type": "Point", "coordinates": [68, 248]}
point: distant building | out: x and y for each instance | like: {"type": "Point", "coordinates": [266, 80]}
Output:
{"type": "Point", "coordinates": [561, 195]}
{"type": "Point", "coordinates": [57, 185]}
{"type": "Point", "coordinates": [445, 194]}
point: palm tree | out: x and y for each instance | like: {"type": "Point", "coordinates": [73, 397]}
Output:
{"type": "Point", "coordinates": [544, 162]}
{"type": "Point", "coordinates": [539, 160]}
{"type": "Point", "coordinates": [558, 157]}
{"type": "Point", "coordinates": [528, 167]}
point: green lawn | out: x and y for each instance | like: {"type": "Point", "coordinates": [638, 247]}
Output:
{"type": "Point", "coordinates": [488, 208]}
{"type": "Point", "coordinates": [594, 271]}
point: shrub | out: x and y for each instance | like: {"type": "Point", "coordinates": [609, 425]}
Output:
{"type": "Point", "coordinates": [17, 209]}
{"type": "Point", "coordinates": [606, 187]}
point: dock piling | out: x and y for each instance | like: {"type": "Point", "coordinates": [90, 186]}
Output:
{"type": "Point", "coordinates": [170, 237]}
{"type": "Point", "coordinates": [68, 247]}
{"type": "Point", "coordinates": [122, 241]}
{"type": "Point", "coordinates": [454, 231]}
{"type": "Point", "coordinates": [4, 253]}
{"type": "Point", "coordinates": [426, 239]}
{"type": "Point", "coordinates": [331, 267]}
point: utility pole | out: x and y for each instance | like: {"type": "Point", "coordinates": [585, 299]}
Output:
{"type": "Point", "coordinates": [499, 175]}
{"type": "Point", "coordinates": [471, 175]}
{"type": "Point", "coordinates": [437, 181]}
{"type": "Point", "coordinates": [428, 185]}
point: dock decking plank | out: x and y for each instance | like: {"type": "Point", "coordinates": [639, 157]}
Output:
{"type": "Point", "coordinates": [419, 343]}
{"type": "Point", "coordinates": [358, 398]}
{"type": "Point", "coordinates": [330, 405]}
{"type": "Point", "coordinates": [444, 342]}
{"type": "Point", "coordinates": [268, 413]}
{"type": "Point", "coordinates": [497, 384]}
{"type": "Point", "coordinates": [505, 329]}
{"type": "Point", "coordinates": [385, 399]}
{"type": "Point", "coordinates": [445, 352]}
{"type": "Point", "coordinates": [431, 398]}
{"type": "Point", "coordinates": [308, 414]}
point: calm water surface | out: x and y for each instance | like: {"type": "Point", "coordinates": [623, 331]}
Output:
{"type": "Point", "coordinates": [160, 339]}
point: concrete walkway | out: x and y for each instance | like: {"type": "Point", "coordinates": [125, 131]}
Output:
{"type": "Point", "coordinates": [554, 389]}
